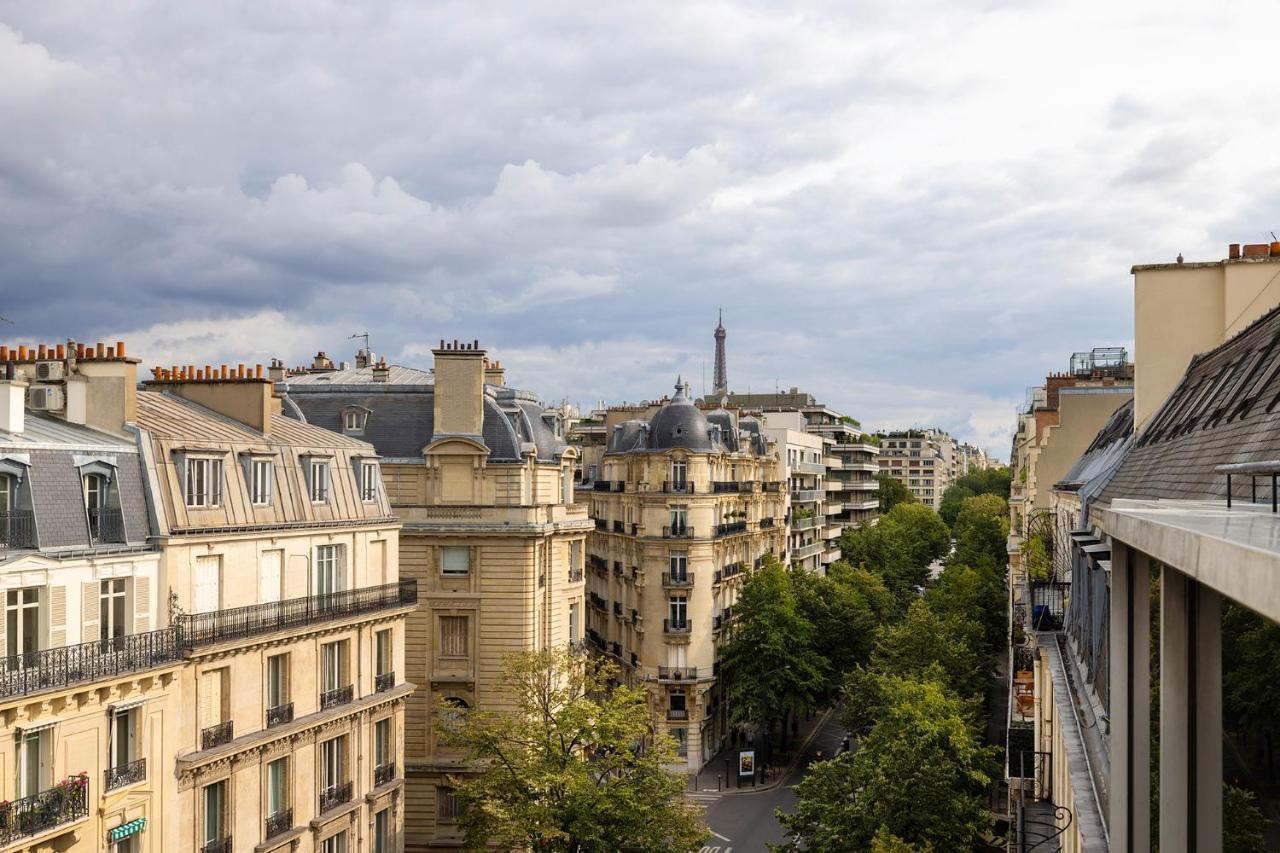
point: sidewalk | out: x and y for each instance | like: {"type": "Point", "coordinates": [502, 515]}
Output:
{"type": "Point", "coordinates": [712, 777]}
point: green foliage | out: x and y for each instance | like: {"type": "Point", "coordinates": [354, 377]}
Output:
{"type": "Point", "coordinates": [1035, 558]}
{"type": "Point", "coordinates": [572, 767]}
{"type": "Point", "coordinates": [952, 498]}
{"type": "Point", "coordinates": [982, 532]}
{"type": "Point", "coordinates": [769, 664]}
{"type": "Point", "coordinates": [962, 592]}
{"type": "Point", "coordinates": [892, 492]}
{"type": "Point", "coordinates": [844, 608]}
{"type": "Point", "coordinates": [1251, 672]}
{"type": "Point", "coordinates": [886, 842]}
{"type": "Point", "coordinates": [899, 548]}
{"type": "Point", "coordinates": [990, 481]}
{"type": "Point", "coordinates": [917, 778]}
{"type": "Point", "coordinates": [1244, 827]}
{"type": "Point", "coordinates": [924, 638]}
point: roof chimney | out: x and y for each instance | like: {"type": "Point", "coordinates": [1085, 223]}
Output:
{"type": "Point", "coordinates": [459, 388]}
{"type": "Point", "coordinates": [494, 374]}
{"type": "Point", "coordinates": [381, 372]}
{"type": "Point", "coordinates": [362, 358]}
{"type": "Point", "coordinates": [243, 395]}
{"type": "Point", "coordinates": [13, 398]}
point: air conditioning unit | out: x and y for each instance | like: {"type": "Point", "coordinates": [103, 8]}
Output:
{"type": "Point", "coordinates": [46, 398]}
{"type": "Point", "coordinates": [50, 371]}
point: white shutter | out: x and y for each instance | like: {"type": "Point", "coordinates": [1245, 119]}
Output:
{"type": "Point", "coordinates": [89, 606]}
{"type": "Point", "coordinates": [210, 698]}
{"type": "Point", "coordinates": [57, 616]}
{"type": "Point", "coordinates": [141, 605]}
{"type": "Point", "coordinates": [208, 592]}
{"type": "Point", "coordinates": [269, 576]}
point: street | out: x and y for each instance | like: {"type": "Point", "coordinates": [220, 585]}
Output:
{"type": "Point", "coordinates": [745, 823]}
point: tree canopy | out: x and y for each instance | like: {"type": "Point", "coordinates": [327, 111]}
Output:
{"type": "Point", "coordinates": [892, 492]}
{"type": "Point", "coordinates": [844, 609]}
{"type": "Point", "coordinates": [899, 549]}
{"type": "Point", "coordinates": [572, 767]}
{"type": "Point", "coordinates": [988, 481]}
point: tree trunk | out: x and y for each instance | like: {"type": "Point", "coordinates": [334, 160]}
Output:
{"type": "Point", "coordinates": [786, 718]}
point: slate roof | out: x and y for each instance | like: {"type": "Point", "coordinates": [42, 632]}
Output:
{"type": "Point", "coordinates": [681, 424]}
{"type": "Point", "coordinates": [400, 418]}
{"type": "Point", "coordinates": [168, 416]}
{"type": "Point", "coordinates": [1095, 468]}
{"type": "Point", "coordinates": [1225, 410]}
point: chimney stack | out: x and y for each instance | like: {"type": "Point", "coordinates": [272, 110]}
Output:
{"type": "Point", "coordinates": [13, 399]}
{"type": "Point", "coordinates": [494, 374]}
{"type": "Point", "coordinates": [459, 388]}
{"type": "Point", "coordinates": [244, 395]}
{"type": "Point", "coordinates": [381, 372]}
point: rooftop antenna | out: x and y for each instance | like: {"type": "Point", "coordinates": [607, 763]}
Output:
{"type": "Point", "coordinates": [365, 335]}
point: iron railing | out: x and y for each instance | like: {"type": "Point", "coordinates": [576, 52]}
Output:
{"type": "Point", "coordinates": [236, 623]}
{"type": "Point", "coordinates": [64, 803]}
{"type": "Point", "coordinates": [721, 486]}
{"type": "Point", "coordinates": [280, 714]}
{"type": "Point", "coordinates": [618, 526]}
{"type": "Point", "coordinates": [335, 697]}
{"type": "Point", "coordinates": [106, 524]}
{"type": "Point", "coordinates": [1048, 604]}
{"type": "Point", "coordinates": [731, 528]}
{"type": "Point", "coordinates": [384, 773]}
{"type": "Point", "coordinates": [222, 845]}
{"type": "Point", "coordinates": [677, 579]}
{"type": "Point", "coordinates": [683, 627]}
{"type": "Point", "coordinates": [766, 523]}
{"type": "Point", "coordinates": [383, 682]}
{"type": "Point", "coordinates": [335, 796]}
{"type": "Point", "coordinates": [677, 713]}
{"type": "Point", "coordinates": [678, 487]}
{"type": "Point", "coordinates": [602, 525]}
{"type": "Point", "coordinates": [124, 774]}
{"type": "Point", "coordinates": [17, 529]}
{"type": "Point", "coordinates": [217, 735]}
{"type": "Point", "coordinates": [596, 601]}
{"type": "Point", "coordinates": [66, 665]}
{"type": "Point", "coordinates": [281, 821]}
{"type": "Point", "coordinates": [677, 531]}
{"type": "Point", "coordinates": [671, 673]}
{"type": "Point", "coordinates": [575, 575]}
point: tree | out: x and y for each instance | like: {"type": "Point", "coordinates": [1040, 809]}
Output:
{"type": "Point", "coordinates": [982, 533]}
{"type": "Point", "coordinates": [768, 664]}
{"type": "Point", "coordinates": [1244, 827]}
{"type": "Point", "coordinates": [924, 638]}
{"type": "Point", "coordinates": [572, 767]}
{"type": "Point", "coordinates": [963, 592]}
{"type": "Point", "coordinates": [899, 548]}
{"type": "Point", "coordinates": [952, 498]}
{"type": "Point", "coordinates": [845, 608]}
{"type": "Point", "coordinates": [892, 492]}
{"type": "Point", "coordinates": [917, 778]}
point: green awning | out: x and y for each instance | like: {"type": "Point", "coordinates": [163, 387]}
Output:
{"type": "Point", "coordinates": [124, 830]}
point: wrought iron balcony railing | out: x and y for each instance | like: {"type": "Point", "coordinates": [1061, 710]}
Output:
{"type": "Point", "coordinates": [17, 529]}
{"type": "Point", "coordinates": [678, 487]}
{"type": "Point", "coordinates": [280, 714]}
{"type": "Point", "coordinates": [66, 665]}
{"type": "Point", "coordinates": [281, 821]}
{"type": "Point", "coordinates": [682, 627]}
{"type": "Point", "coordinates": [106, 525]}
{"type": "Point", "coordinates": [677, 713]}
{"type": "Point", "coordinates": [217, 735]}
{"type": "Point", "coordinates": [677, 579]}
{"type": "Point", "coordinates": [677, 531]}
{"type": "Point", "coordinates": [124, 774]}
{"type": "Point", "coordinates": [384, 681]}
{"type": "Point", "coordinates": [64, 803]}
{"type": "Point", "coordinates": [335, 796]}
{"type": "Point", "coordinates": [222, 845]}
{"type": "Point", "coordinates": [766, 523]}
{"type": "Point", "coordinates": [731, 528]}
{"type": "Point", "coordinates": [602, 525]}
{"type": "Point", "coordinates": [336, 696]}
{"type": "Point", "coordinates": [575, 575]}
{"type": "Point", "coordinates": [384, 773]}
{"type": "Point", "coordinates": [722, 486]}
{"type": "Point", "coordinates": [673, 673]}
{"type": "Point", "coordinates": [216, 626]}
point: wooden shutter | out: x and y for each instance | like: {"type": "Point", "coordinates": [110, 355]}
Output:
{"type": "Point", "coordinates": [57, 616]}
{"type": "Point", "coordinates": [210, 698]}
{"type": "Point", "coordinates": [89, 606]}
{"type": "Point", "coordinates": [269, 576]}
{"type": "Point", "coordinates": [208, 597]}
{"type": "Point", "coordinates": [141, 605]}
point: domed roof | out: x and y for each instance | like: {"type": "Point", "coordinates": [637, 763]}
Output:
{"type": "Point", "coordinates": [680, 423]}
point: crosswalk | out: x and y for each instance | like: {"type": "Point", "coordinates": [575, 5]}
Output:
{"type": "Point", "coordinates": [716, 848]}
{"type": "Point", "coordinates": [704, 797]}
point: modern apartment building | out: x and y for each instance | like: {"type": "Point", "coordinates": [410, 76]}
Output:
{"type": "Point", "coordinates": [685, 505]}
{"type": "Point", "coordinates": [970, 458]}
{"type": "Point", "coordinates": [803, 465]}
{"type": "Point", "coordinates": [923, 460]}
{"type": "Point", "coordinates": [482, 478]}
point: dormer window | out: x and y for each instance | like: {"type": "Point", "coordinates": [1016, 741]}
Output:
{"type": "Point", "coordinates": [354, 419]}
{"type": "Point", "coordinates": [102, 511]}
{"type": "Point", "coordinates": [204, 482]}
{"type": "Point", "coordinates": [318, 481]}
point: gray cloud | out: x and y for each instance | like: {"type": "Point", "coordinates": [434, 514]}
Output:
{"type": "Point", "coordinates": [913, 210]}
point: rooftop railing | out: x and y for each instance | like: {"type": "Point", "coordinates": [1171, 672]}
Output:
{"type": "Point", "coordinates": [106, 524]}
{"type": "Point", "coordinates": [32, 672]}
{"type": "Point", "coordinates": [199, 629]}
{"type": "Point", "coordinates": [17, 529]}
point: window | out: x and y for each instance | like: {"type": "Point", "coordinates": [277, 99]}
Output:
{"type": "Point", "coordinates": [446, 805]}
{"type": "Point", "coordinates": [679, 518]}
{"type": "Point", "coordinates": [329, 569]}
{"type": "Point", "coordinates": [333, 666]}
{"type": "Point", "coordinates": [124, 734]}
{"type": "Point", "coordinates": [382, 652]}
{"type": "Point", "coordinates": [455, 561]}
{"type": "Point", "coordinates": [319, 481]}
{"type": "Point", "coordinates": [333, 763]}
{"type": "Point", "coordinates": [368, 481]}
{"type": "Point", "coordinates": [353, 420]}
{"type": "Point", "coordinates": [681, 737]}
{"type": "Point", "coordinates": [112, 600]}
{"type": "Point", "coordinates": [204, 482]}
{"type": "Point", "coordinates": [335, 843]}
{"type": "Point", "coordinates": [382, 743]}
{"type": "Point", "coordinates": [6, 493]}
{"type": "Point", "coordinates": [679, 566]}
{"type": "Point", "coordinates": [575, 556]}
{"type": "Point", "coordinates": [453, 636]}
{"type": "Point", "coordinates": [677, 704]}
{"type": "Point", "coordinates": [679, 473]}
{"type": "Point", "coordinates": [277, 786]}
{"type": "Point", "coordinates": [277, 681]}
{"type": "Point", "coordinates": [677, 610]}
{"type": "Point", "coordinates": [382, 831]}
{"type": "Point", "coordinates": [575, 622]}
{"type": "Point", "coordinates": [215, 804]}
{"type": "Point", "coordinates": [33, 762]}
{"type": "Point", "coordinates": [591, 473]}
{"type": "Point", "coordinates": [22, 621]}
{"type": "Point", "coordinates": [260, 482]}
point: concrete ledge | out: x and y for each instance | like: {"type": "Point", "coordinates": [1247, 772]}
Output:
{"type": "Point", "coordinates": [1087, 821]}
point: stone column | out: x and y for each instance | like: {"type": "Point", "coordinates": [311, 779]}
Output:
{"type": "Point", "coordinates": [1130, 795]}
{"type": "Point", "coordinates": [1190, 716]}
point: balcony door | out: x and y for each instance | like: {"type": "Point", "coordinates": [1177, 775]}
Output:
{"type": "Point", "coordinates": [679, 475]}
{"type": "Point", "coordinates": [33, 762]}
{"type": "Point", "coordinates": [333, 757]}
{"type": "Point", "coordinates": [328, 570]}
{"type": "Point", "coordinates": [678, 610]}
{"type": "Point", "coordinates": [112, 610]}
{"type": "Point", "coordinates": [22, 624]}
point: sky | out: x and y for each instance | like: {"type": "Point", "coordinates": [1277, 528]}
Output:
{"type": "Point", "coordinates": [913, 210]}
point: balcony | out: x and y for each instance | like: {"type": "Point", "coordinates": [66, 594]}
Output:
{"type": "Point", "coordinates": [106, 525]}
{"type": "Point", "coordinates": [676, 628]}
{"type": "Point", "coordinates": [720, 487]}
{"type": "Point", "coordinates": [17, 529]}
{"type": "Point", "coordinates": [806, 495]}
{"type": "Point", "coordinates": [609, 486]}
{"type": "Point", "coordinates": [222, 845]}
{"type": "Point", "coordinates": [767, 523]}
{"type": "Point", "coordinates": [602, 525]}
{"type": "Point", "coordinates": [64, 803]}
{"type": "Point", "coordinates": [808, 468]}
{"type": "Point", "coordinates": [619, 527]}
{"type": "Point", "coordinates": [677, 580]}
{"type": "Point", "coordinates": [597, 602]}
{"type": "Point", "coordinates": [635, 616]}
{"type": "Point", "coordinates": [335, 697]}
{"type": "Point", "coordinates": [776, 486]}
{"type": "Point", "coordinates": [383, 682]}
{"type": "Point", "coordinates": [384, 773]}
{"type": "Point", "coordinates": [862, 485]}
{"type": "Point", "coordinates": [806, 523]}
{"type": "Point", "coordinates": [279, 715]}
{"type": "Point", "coordinates": [281, 821]}
{"type": "Point", "coordinates": [217, 735]}
{"type": "Point", "coordinates": [124, 774]}
{"type": "Point", "coordinates": [575, 575]}
{"type": "Point", "coordinates": [599, 564]}
{"type": "Point", "coordinates": [331, 798]}
{"type": "Point", "coordinates": [33, 672]}
{"type": "Point", "coordinates": [669, 673]}
{"type": "Point", "coordinates": [677, 713]}
{"type": "Point", "coordinates": [678, 487]}
{"type": "Point", "coordinates": [803, 552]}
{"type": "Point", "coordinates": [617, 609]}
{"type": "Point", "coordinates": [201, 629]}
{"type": "Point", "coordinates": [678, 531]}
{"type": "Point", "coordinates": [731, 528]}
{"type": "Point", "coordinates": [1049, 604]}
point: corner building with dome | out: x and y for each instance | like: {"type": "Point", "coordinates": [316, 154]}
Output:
{"type": "Point", "coordinates": [685, 504]}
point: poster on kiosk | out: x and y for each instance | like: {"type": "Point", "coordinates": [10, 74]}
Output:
{"type": "Point", "coordinates": [747, 763]}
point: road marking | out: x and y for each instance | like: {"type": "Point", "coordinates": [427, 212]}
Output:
{"type": "Point", "coordinates": [721, 837]}
{"type": "Point", "coordinates": [715, 849]}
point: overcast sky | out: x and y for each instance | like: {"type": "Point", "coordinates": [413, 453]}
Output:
{"type": "Point", "coordinates": [914, 210]}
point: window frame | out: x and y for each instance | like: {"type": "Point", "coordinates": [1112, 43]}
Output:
{"type": "Point", "coordinates": [369, 481]}
{"type": "Point", "coordinates": [454, 572]}
{"type": "Point", "coordinates": [318, 480]}
{"type": "Point", "coordinates": [207, 472]}
{"type": "Point", "coordinates": [261, 493]}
